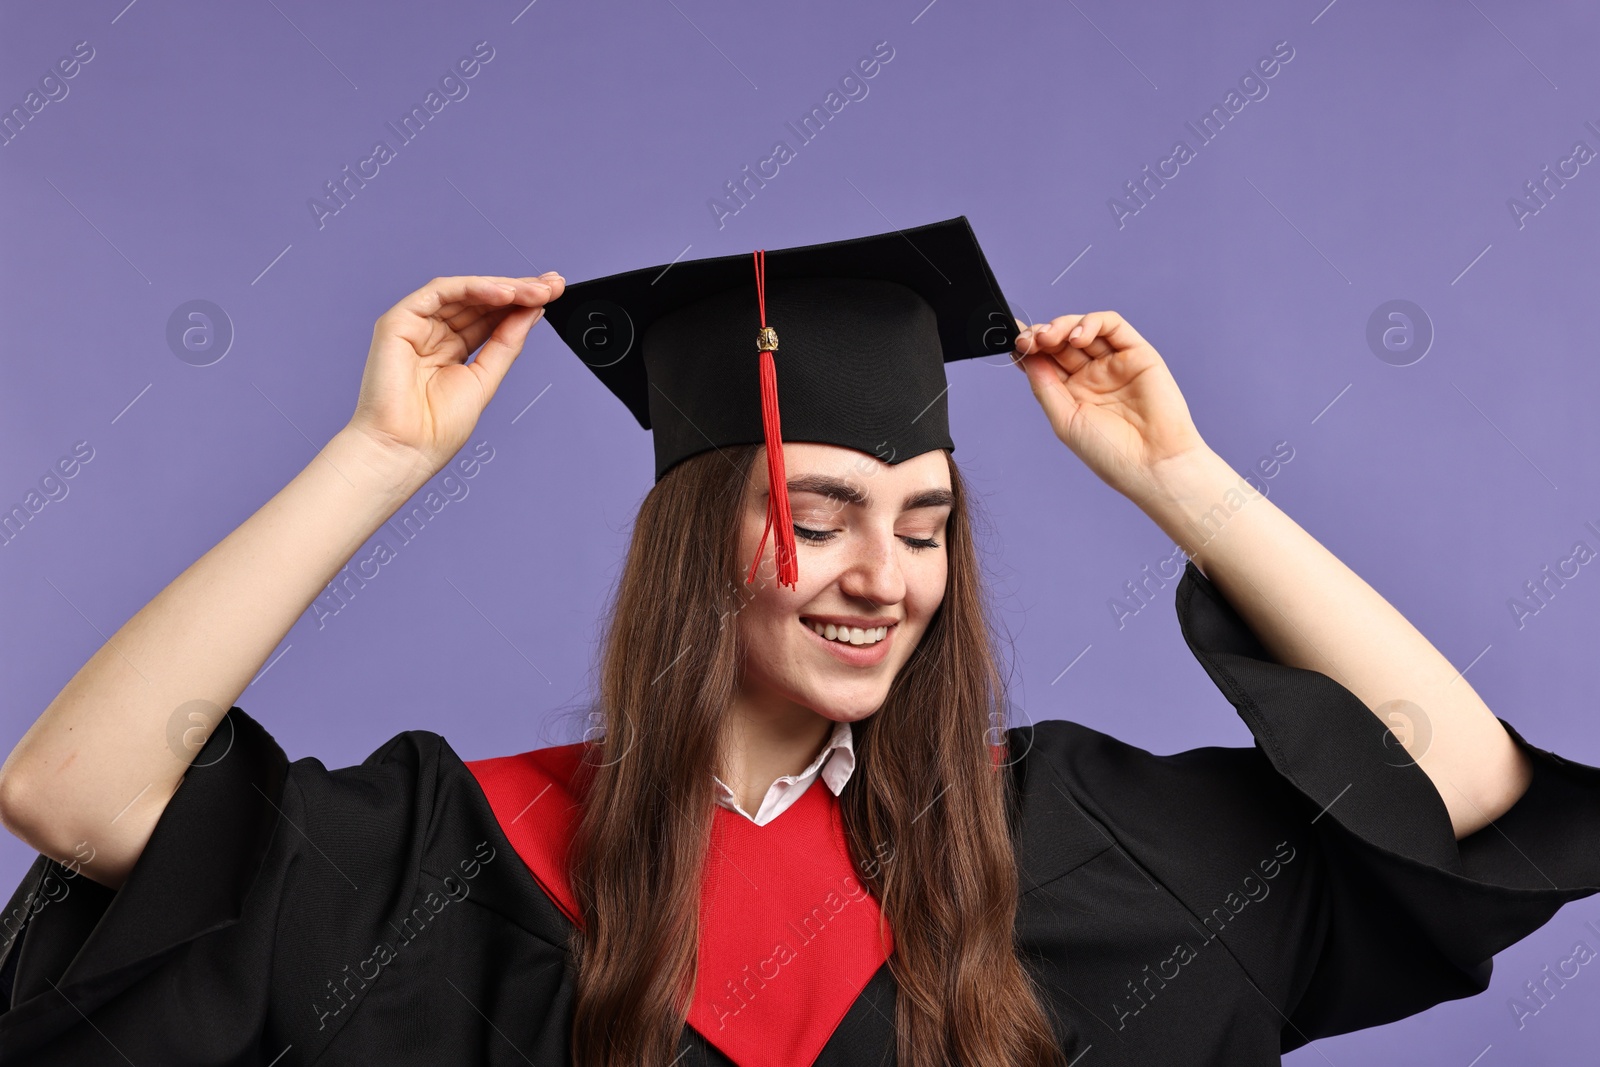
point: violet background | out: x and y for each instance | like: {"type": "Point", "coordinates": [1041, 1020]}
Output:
{"type": "Point", "coordinates": [1378, 167]}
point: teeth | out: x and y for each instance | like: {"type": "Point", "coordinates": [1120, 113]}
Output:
{"type": "Point", "coordinates": [850, 635]}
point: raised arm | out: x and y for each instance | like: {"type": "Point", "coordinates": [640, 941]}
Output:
{"type": "Point", "coordinates": [90, 778]}
{"type": "Point", "coordinates": [1112, 400]}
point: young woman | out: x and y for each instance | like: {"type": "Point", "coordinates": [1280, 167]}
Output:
{"type": "Point", "coordinates": [805, 836]}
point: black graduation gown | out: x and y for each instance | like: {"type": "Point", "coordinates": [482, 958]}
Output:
{"type": "Point", "coordinates": [1220, 905]}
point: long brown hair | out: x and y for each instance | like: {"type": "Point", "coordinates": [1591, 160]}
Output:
{"type": "Point", "coordinates": [929, 822]}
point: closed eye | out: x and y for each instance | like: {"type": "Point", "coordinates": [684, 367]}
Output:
{"type": "Point", "coordinates": [820, 537]}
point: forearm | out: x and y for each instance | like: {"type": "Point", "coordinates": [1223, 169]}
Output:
{"type": "Point", "coordinates": [101, 761]}
{"type": "Point", "coordinates": [1310, 610]}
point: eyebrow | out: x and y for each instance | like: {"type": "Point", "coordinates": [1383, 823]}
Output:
{"type": "Point", "coordinates": [850, 493]}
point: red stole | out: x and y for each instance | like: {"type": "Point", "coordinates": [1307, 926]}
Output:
{"type": "Point", "coordinates": [788, 936]}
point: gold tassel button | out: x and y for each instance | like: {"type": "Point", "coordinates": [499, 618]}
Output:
{"type": "Point", "coordinates": [767, 340]}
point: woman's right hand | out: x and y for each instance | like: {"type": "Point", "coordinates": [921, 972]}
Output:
{"type": "Point", "coordinates": [420, 398]}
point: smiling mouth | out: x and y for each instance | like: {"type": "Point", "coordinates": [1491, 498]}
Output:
{"type": "Point", "coordinates": [860, 637]}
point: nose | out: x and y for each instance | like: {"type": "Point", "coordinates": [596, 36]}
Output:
{"type": "Point", "coordinates": [874, 572]}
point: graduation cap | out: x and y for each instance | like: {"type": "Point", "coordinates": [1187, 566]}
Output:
{"type": "Point", "coordinates": [867, 325]}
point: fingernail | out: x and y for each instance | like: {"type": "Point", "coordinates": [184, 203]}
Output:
{"type": "Point", "coordinates": [1076, 330]}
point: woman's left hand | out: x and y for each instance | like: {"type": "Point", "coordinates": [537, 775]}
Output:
{"type": "Point", "coordinates": [1109, 397]}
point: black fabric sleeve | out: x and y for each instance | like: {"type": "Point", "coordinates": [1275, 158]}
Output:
{"type": "Point", "coordinates": [1391, 914]}
{"type": "Point", "coordinates": [253, 863]}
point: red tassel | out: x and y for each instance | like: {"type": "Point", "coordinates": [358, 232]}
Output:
{"type": "Point", "coordinates": [778, 498]}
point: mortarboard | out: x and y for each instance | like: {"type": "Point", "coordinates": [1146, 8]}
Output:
{"type": "Point", "coordinates": [867, 325]}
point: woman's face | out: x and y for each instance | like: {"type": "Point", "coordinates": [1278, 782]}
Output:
{"type": "Point", "coordinates": [870, 546]}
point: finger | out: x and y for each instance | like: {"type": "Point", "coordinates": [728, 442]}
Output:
{"type": "Point", "coordinates": [527, 292]}
{"type": "Point", "coordinates": [443, 297]}
{"type": "Point", "coordinates": [447, 296]}
{"type": "Point", "coordinates": [1042, 337]}
{"type": "Point", "coordinates": [550, 280]}
{"type": "Point", "coordinates": [1027, 338]}
{"type": "Point", "coordinates": [503, 347]}
{"type": "Point", "coordinates": [475, 332]}
{"type": "Point", "coordinates": [1104, 333]}
{"type": "Point", "coordinates": [456, 300]}
{"type": "Point", "coordinates": [1046, 380]}
{"type": "Point", "coordinates": [476, 323]}
{"type": "Point", "coordinates": [1051, 336]}
{"type": "Point", "coordinates": [1044, 367]}
{"type": "Point", "coordinates": [524, 292]}
{"type": "Point", "coordinates": [1049, 341]}
{"type": "Point", "coordinates": [463, 319]}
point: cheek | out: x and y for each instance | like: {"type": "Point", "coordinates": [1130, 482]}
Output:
{"type": "Point", "coordinates": [925, 588]}
{"type": "Point", "coordinates": [767, 606]}
{"type": "Point", "coordinates": [769, 633]}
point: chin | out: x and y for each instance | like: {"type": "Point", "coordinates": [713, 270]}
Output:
{"type": "Point", "coordinates": [843, 707]}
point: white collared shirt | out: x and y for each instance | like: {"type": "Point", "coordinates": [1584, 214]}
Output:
{"type": "Point", "coordinates": [833, 765]}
